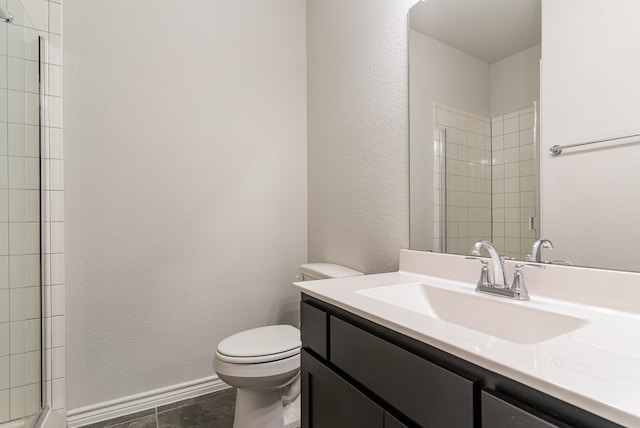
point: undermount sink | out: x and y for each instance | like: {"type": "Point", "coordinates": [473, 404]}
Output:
{"type": "Point", "coordinates": [508, 320]}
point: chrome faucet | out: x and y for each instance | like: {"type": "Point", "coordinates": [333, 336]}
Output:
{"type": "Point", "coordinates": [499, 285]}
{"type": "Point", "coordinates": [535, 255]}
{"type": "Point", "coordinates": [498, 264]}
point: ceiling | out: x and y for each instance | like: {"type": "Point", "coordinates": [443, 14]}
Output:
{"type": "Point", "coordinates": [490, 30]}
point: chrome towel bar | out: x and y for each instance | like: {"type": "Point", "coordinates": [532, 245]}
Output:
{"type": "Point", "coordinates": [557, 150]}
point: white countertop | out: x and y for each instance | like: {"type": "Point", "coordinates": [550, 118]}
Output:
{"type": "Point", "coordinates": [595, 367]}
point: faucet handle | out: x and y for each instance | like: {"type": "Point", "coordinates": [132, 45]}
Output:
{"type": "Point", "coordinates": [503, 258]}
{"type": "Point", "coordinates": [521, 266]}
{"type": "Point", "coordinates": [484, 273]}
{"type": "Point", "coordinates": [519, 288]}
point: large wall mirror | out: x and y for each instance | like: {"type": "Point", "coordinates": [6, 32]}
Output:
{"type": "Point", "coordinates": [475, 86]}
{"type": "Point", "coordinates": [479, 166]}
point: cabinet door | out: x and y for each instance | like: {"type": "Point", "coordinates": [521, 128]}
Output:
{"type": "Point", "coordinates": [499, 413]}
{"type": "Point", "coordinates": [328, 401]}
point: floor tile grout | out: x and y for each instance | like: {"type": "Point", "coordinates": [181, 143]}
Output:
{"type": "Point", "coordinates": [213, 410]}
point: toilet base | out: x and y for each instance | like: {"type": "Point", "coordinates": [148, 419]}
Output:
{"type": "Point", "coordinates": [258, 408]}
{"type": "Point", "coordinates": [292, 414]}
{"type": "Point", "coordinates": [291, 404]}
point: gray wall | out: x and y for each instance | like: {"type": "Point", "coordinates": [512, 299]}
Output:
{"type": "Point", "coordinates": [515, 82]}
{"type": "Point", "coordinates": [590, 91]}
{"type": "Point", "coordinates": [358, 132]}
{"type": "Point", "coordinates": [186, 177]}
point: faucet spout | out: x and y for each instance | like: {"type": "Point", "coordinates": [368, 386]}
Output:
{"type": "Point", "coordinates": [496, 260]}
{"type": "Point", "coordinates": [536, 255]}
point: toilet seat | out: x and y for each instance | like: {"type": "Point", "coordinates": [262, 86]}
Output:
{"type": "Point", "coordinates": [260, 345]}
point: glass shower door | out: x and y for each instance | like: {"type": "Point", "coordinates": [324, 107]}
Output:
{"type": "Point", "coordinates": [20, 233]}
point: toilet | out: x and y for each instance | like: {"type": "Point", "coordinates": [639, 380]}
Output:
{"type": "Point", "coordinates": [264, 365]}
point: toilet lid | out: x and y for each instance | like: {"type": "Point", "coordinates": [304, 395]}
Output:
{"type": "Point", "coordinates": [260, 344]}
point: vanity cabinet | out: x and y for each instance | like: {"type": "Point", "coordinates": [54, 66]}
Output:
{"type": "Point", "coordinates": [336, 403]}
{"type": "Point", "coordinates": [502, 412]}
{"type": "Point", "coordinates": [402, 378]}
{"type": "Point", "coordinates": [356, 373]}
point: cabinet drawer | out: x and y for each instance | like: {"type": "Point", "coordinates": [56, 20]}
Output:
{"type": "Point", "coordinates": [313, 329]}
{"type": "Point", "coordinates": [392, 422]}
{"type": "Point", "coordinates": [497, 412]}
{"type": "Point", "coordinates": [328, 401]}
{"type": "Point", "coordinates": [425, 392]}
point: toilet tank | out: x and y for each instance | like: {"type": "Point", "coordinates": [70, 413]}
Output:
{"type": "Point", "coordinates": [311, 271]}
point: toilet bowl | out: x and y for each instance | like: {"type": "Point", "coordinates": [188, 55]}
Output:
{"type": "Point", "coordinates": [260, 362]}
{"type": "Point", "coordinates": [264, 365]}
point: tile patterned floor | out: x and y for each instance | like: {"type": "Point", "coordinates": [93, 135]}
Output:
{"type": "Point", "coordinates": [211, 411]}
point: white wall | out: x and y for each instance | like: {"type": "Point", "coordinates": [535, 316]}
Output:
{"type": "Point", "coordinates": [590, 91]}
{"type": "Point", "coordinates": [357, 138]}
{"type": "Point", "coordinates": [449, 76]}
{"type": "Point", "coordinates": [186, 178]}
{"type": "Point", "coordinates": [515, 81]}
{"type": "Point", "coordinates": [442, 74]}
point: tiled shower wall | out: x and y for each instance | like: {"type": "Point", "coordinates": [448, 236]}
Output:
{"type": "Point", "coordinates": [20, 338]}
{"type": "Point", "coordinates": [19, 222]}
{"type": "Point", "coordinates": [468, 178]}
{"type": "Point", "coordinates": [514, 197]}
{"type": "Point", "coordinates": [490, 180]}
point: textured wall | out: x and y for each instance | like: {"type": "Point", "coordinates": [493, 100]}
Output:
{"type": "Point", "coordinates": [358, 132]}
{"type": "Point", "coordinates": [186, 178]}
{"type": "Point", "coordinates": [590, 91]}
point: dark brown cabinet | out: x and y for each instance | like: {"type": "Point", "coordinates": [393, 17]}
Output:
{"type": "Point", "coordinates": [356, 373]}
{"type": "Point", "coordinates": [392, 422]}
{"type": "Point", "coordinates": [502, 412]}
{"type": "Point", "coordinates": [417, 388]}
{"type": "Point", "coordinates": [333, 402]}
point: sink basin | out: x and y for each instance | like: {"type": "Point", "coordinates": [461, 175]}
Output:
{"type": "Point", "coordinates": [512, 321]}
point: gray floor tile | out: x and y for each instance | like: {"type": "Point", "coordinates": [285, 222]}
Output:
{"type": "Point", "coordinates": [213, 410]}
{"type": "Point", "coordinates": [229, 393]}
{"type": "Point", "coordinates": [216, 411]}
{"type": "Point", "coordinates": [146, 422]}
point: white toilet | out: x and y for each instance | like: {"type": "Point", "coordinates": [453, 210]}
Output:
{"type": "Point", "coordinates": [264, 365]}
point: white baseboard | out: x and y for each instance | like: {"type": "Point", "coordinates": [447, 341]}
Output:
{"type": "Point", "coordinates": [12, 424]}
{"type": "Point", "coordinates": [147, 400]}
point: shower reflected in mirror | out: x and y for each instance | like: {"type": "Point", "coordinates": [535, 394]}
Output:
{"type": "Point", "coordinates": [21, 310]}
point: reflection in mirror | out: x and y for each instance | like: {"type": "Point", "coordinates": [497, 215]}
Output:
{"type": "Point", "coordinates": [474, 86]}
{"type": "Point", "coordinates": [21, 334]}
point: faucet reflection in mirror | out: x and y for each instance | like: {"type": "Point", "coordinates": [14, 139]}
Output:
{"type": "Point", "coordinates": [484, 180]}
{"type": "Point", "coordinates": [536, 250]}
